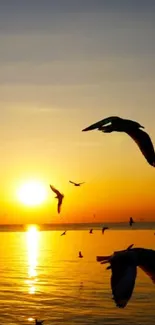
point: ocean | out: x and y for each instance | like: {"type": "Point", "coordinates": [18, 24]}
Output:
{"type": "Point", "coordinates": [42, 276]}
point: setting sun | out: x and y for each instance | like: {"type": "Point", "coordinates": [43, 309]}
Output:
{"type": "Point", "coordinates": [32, 193]}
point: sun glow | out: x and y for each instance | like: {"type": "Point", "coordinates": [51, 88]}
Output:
{"type": "Point", "coordinates": [32, 193]}
{"type": "Point", "coordinates": [32, 236]}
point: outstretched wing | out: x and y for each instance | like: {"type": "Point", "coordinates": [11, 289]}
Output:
{"type": "Point", "coordinates": [72, 182]}
{"type": "Point", "coordinates": [54, 190]}
{"type": "Point", "coordinates": [122, 284]}
{"type": "Point", "coordinates": [147, 263]}
{"type": "Point", "coordinates": [144, 143]}
{"type": "Point", "coordinates": [100, 123]}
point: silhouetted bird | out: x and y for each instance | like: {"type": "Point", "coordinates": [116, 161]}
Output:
{"type": "Point", "coordinates": [103, 229]}
{"type": "Point", "coordinates": [130, 127]}
{"type": "Point", "coordinates": [91, 231]}
{"type": "Point", "coordinates": [76, 184]}
{"type": "Point", "coordinates": [59, 197]}
{"type": "Point", "coordinates": [123, 265]}
{"type": "Point", "coordinates": [131, 221]}
{"type": "Point", "coordinates": [80, 255]}
{"type": "Point", "coordinates": [64, 233]}
{"type": "Point", "coordinates": [39, 322]}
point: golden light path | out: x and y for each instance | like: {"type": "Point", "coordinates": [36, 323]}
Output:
{"type": "Point", "coordinates": [32, 237]}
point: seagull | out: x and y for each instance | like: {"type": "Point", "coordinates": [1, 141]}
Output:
{"type": "Point", "coordinates": [39, 322]}
{"type": "Point", "coordinates": [133, 129]}
{"type": "Point", "coordinates": [76, 184]}
{"type": "Point", "coordinates": [123, 265]}
{"type": "Point", "coordinates": [80, 255]}
{"type": "Point", "coordinates": [64, 233]}
{"type": "Point", "coordinates": [59, 197]}
{"type": "Point", "coordinates": [131, 221]}
{"type": "Point", "coordinates": [91, 231]}
{"type": "Point", "coordinates": [103, 229]}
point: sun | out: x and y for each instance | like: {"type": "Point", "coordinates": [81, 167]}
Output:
{"type": "Point", "coordinates": [32, 193]}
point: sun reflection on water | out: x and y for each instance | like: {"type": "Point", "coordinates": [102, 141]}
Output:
{"type": "Point", "coordinates": [32, 238]}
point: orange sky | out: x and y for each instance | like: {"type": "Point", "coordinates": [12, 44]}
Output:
{"type": "Point", "coordinates": [63, 68]}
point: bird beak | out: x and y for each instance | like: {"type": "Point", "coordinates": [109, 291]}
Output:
{"type": "Point", "coordinates": [103, 259]}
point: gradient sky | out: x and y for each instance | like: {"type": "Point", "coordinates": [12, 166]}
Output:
{"type": "Point", "coordinates": [64, 65]}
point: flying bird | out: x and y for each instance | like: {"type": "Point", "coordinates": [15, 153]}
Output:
{"type": "Point", "coordinates": [91, 231]}
{"type": "Point", "coordinates": [76, 184]}
{"type": "Point", "coordinates": [103, 229]}
{"type": "Point", "coordinates": [133, 129]}
{"type": "Point", "coordinates": [39, 322]}
{"type": "Point", "coordinates": [131, 221]}
{"type": "Point", "coordinates": [59, 197]}
{"type": "Point", "coordinates": [64, 233]}
{"type": "Point", "coordinates": [123, 265]}
{"type": "Point", "coordinates": [80, 255]}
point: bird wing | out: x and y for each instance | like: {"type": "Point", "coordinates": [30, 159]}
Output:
{"type": "Point", "coordinates": [60, 202]}
{"type": "Point", "coordinates": [100, 123]}
{"type": "Point", "coordinates": [122, 284]}
{"type": "Point", "coordinates": [54, 190]}
{"type": "Point", "coordinates": [81, 183]}
{"type": "Point", "coordinates": [149, 273]}
{"type": "Point", "coordinates": [147, 263]}
{"type": "Point", "coordinates": [72, 182]}
{"type": "Point", "coordinates": [144, 143]}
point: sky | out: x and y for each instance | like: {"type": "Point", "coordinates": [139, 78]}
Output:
{"type": "Point", "coordinates": [65, 65]}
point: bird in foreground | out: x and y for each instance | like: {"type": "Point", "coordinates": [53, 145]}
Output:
{"type": "Point", "coordinates": [91, 231]}
{"type": "Point", "coordinates": [59, 197]}
{"type": "Point", "coordinates": [76, 184]}
{"type": "Point", "coordinates": [131, 221]}
{"type": "Point", "coordinates": [123, 265]}
{"type": "Point", "coordinates": [64, 233]}
{"type": "Point", "coordinates": [80, 255]}
{"type": "Point", "coordinates": [39, 322]}
{"type": "Point", "coordinates": [133, 129]}
{"type": "Point", "coordinates": [103, 229]}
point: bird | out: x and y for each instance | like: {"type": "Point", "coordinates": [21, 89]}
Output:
{"type": "Point", "coordinates": [91, 231]}
{"type": "Point", "coordinates": [123, 265]}
{"type": "Point", "coordinates": [76, 184]}
{"type": "Point", "coordinates": [39, 322]}
{"type": "Point", "coordinates": [59, 197]}
{"type": "Point", "coordinates": [64, 233]}
{"type": "Point", "coordinates": [80, 255]}
{"type": "Point", "coordinates": [103, 229]}
{"type": "Point", "coordinates": [131, 221]}
{"type": "Point", "coordinates": [133, 129]}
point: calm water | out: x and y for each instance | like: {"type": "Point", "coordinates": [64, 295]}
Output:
{"type": "Point", "coordinates": [42, 277]}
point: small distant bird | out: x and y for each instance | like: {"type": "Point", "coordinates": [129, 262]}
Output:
{"type": "Point", "coordinates": [131, 221]}
{"type": "Point", "coordinates": [91, 231]}
{"type": "Point", "coordinates": [64, 233]}
{"type": "Point", "coordinates": [123, 265]}
{"type": "Point", "coordinates": [59, 197]}
{"type": "Point", "coordinates": [103, 229]}
{"type": "Point", "coordinates": [80, 255]}
{"type": "Point", "coordinates": [76, 184]}
{"type": "Point", "coordinates": [133, 129]}
{"type": "Point", "coordinates": [39, 322]}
